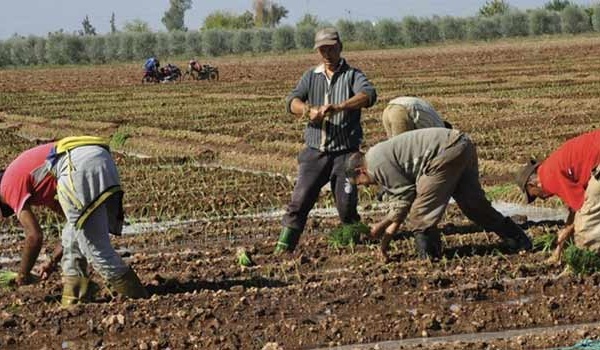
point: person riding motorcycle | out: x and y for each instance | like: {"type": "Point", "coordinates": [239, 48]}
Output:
{"type": "Point", "coordinates": [152, 66]}
{"type": "Point", "coordinates": [194, 66]}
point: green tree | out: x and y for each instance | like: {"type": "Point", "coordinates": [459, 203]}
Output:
{"type": "Point", "coordinates": [242, 41]}
{"type": "Point", "coordinates": [228, 20]}
{"type": "Point", "coordinates": [283, 39]}
{"type": "Point", "coordinates": [514, 23]}
{"type": "Point", "coordinates": [347, 29]}
{"type": "Point", "coordinates": [308, 20]}
{"type": "Point", "coordinates": [484, 28]}
{"type": "Point", "coordinates": [215, 42]}
{"type": "Point", "coordinates": [557, 5]}
{"type": "Point", "coordinates": [389, 32]}
{"type": "Point", "coordinates": [542, 21]}
{"type": "Point", "coordinates": [88, 28]}
{"type": "Point", "coordinates": [268, 13]}
{"type": "Point", "coordinates": [193, 43]}
{"type": "Point", "coordinates": [173, 17]}
{"type": "Point", "coordinates": [136, 26]}
{"type": "Point", "coordinates": [262, 40]}
{"type": "Point", "coordinates": [453, 28]}
{"type": "Point", "coordinates": [574, 20]}
{"type": "Point", "coordinates": [305, 37]}
{"type": "Point", "coordinates": [493, 7]}
{"type": "Point", "coordinates": [113, 26]}
{"type": "Point", "coordinates": [596, 17]}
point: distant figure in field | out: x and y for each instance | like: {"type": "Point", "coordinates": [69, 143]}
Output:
{"type": "Point", "coordinates": [410, 113]}
{"type": "Point", "coordinates": [572, 172]}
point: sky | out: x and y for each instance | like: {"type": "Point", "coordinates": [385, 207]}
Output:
{"type": "Point", "coordinates": [39, 17]}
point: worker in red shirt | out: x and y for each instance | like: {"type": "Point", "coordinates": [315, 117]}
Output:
{"type": "Point", "coordinates": [76, 177]}
{"type": "Point", "coordinates": [572, 173]}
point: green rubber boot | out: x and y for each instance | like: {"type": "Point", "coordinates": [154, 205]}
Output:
{"type": "Point", "coordinates": [75, 290]}
{"type": "Point", "coordinates": [129, 285]}
{"type": "Point", "coordinates": [288, 240]}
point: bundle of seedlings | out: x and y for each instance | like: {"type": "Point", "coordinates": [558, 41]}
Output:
{"type": "Point", "coordinates": [7, 278]}
{"type": "Point", "coordinates": [581, 261]}
{"type": "Point", "coordinates": [546, 242]}
{"type": "Point", "coordinates": [244, 258]}
{"type": "Point", "coordinates": [347, 235]}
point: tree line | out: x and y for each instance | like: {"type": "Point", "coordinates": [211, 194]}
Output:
{"type": "Point", "coordinates": [247, 34]}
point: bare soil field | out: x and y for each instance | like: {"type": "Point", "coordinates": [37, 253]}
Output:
{"type": "Point", "coordinates": [209, 165]}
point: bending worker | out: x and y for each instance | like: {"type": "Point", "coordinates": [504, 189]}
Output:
{"type": "Point", "coordinates": [330, 98]}
{"type": "Point", "coordinates": [410, 113]}
{"type": "Point", "coordinates": [421, 170]}
{"type": "Point", "coordinates": [572, 173]}
{"type": "Point", "coordinates": [81, 174]}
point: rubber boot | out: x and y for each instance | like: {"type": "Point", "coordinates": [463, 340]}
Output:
{"type": "Point", "coordinates": [428, 244]}
{"type": "Point", "coordinates": [288, 240]}
{"type": "Point", "coordinates": [128, 285]}
{"type": "Point", "coordinates": [75, 290]}
{"type": "Point", "coordinates": [513, 236]}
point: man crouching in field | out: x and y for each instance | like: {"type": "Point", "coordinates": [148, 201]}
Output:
{"type": "Point", "coordinates": [572, 173]}
{"type": "Point", "coordinates": [420, 170]}
{"type": "Point", "coordinates": [77, 177]}
{"type": "Point", "coordinates": [329, 98]}
{"type": "Point", "coordinates": [406, 113]}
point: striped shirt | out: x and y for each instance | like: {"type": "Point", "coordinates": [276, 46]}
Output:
{"type": "Point", "coordinates": [420, 111]}
{"type": "Point", "coordinates": [341, 131]}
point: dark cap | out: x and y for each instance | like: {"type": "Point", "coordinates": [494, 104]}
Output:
{"type": "Point", "coordinates": [327, 36]}
{"type": "Point", "coordinates": [522, 178]}
{"type": "Point", "coordinates": [4, 208]}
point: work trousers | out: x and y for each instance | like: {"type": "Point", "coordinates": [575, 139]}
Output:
{"type": "Point", "coordinates": [91, 244]}
{"type": "Point", "coordinates": [396, 120]}
{"type": "Point", "coordinates": [83, 174]}
{"type": "Point", "coordinates": [315, 169]}
{"type": "Point", "coordinates": [454, 173]}
{"type": "Point", "coordinates": [587, 219]}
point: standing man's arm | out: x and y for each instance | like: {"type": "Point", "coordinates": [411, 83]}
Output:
{"type": "Point", "coordinates": [33, 243]}
{"type": "Point", "coordinates": [296, 100]}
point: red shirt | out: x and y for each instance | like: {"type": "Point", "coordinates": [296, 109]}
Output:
{"type": "Point", "coordinates": [25, 181]}
{"type": "Point", "coordinates": [566, 172]}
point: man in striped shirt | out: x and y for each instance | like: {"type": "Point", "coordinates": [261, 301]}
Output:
{"type": "Point", "coordinates": [410, 113]}
{"type": "Point", "coordinates": [330, 97]}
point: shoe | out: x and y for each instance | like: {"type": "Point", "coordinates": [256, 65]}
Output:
{"type": "Point", "coordinates": [129, 285]}
{"type": "Point", "coordinates": [288, 240]}
{"type": "Point", "coordinates": [513, 236]}
{"type": "Point", "coordinates": [75, 290]}
{"type": "Point", "coordinates": [429, 244]}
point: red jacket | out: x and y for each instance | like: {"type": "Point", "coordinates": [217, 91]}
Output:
{"type": "Point", "coordinates": [566, 172]}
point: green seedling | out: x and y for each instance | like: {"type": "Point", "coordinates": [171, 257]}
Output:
{"type": "Point", "coordinates": [118, 139]}
{"type": "Point", "coordinates": [244, 258]}
{"type": "Point", "coordinates": [546, 242]}
{"type": "Point", "coordinates": [581, 261]}
{"type": "Point", "coordinates": [347, 235]}
{"type": "Point", "coordinates": [7, 279]}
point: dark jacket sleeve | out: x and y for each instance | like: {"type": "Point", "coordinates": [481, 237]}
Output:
{"type": "Point", "coordinates": [300, 91]}
{"type": "Point", "coordinates": [362, 84]}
